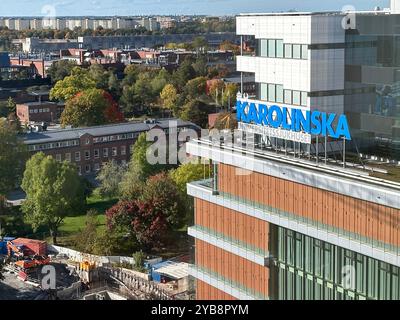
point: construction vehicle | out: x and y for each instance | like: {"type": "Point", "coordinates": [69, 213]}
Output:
{"type": "Point", "coordinates": [15, 250]}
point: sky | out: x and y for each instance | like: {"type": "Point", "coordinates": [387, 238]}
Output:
{"type": "Point", "coordinates": [165, 7]}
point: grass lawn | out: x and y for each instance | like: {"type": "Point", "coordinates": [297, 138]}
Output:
{"type": "Point", "coordinates": [74, 224]}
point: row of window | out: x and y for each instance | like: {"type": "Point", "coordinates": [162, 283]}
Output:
{"type": "Point", "coordinates": [55, 145]}
{"type": "Point", "coordinates": [273, 48]}
{"type": "Point", "coordinates": [96, 167]}
{"type": "Point", "coordinates": [39, 110]}
{"type": "Point", "coordinates": [276, 93]}
{"type": "Point", "coordinates": [96, 154]}
{"type": "Point", "coordinates": [334, 267]}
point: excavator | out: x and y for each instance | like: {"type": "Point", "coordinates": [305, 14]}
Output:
{"type": "Point", "coordinates": [12, 249]}
{"type": "Point", "coordinates": [23, 262]}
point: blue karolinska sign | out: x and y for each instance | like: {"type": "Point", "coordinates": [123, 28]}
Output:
{"type": "Point", "coordinates": [291, 119]}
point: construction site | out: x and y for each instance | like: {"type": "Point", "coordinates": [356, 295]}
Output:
{"type": "Point", "coordinates": [34, 270]}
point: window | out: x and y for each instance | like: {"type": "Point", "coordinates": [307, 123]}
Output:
{"type": "Point", "coordinates": [304, 98]}
{"type": "Point", "coordinates": [105, 153]}
{"type": "Point", "coordinates": [304, 51]}
{"type": "Point", "coordinates": [87, 141]}
{"type": "Point", "coordinates": [264, 91]}
{"type": "Point", "coordinates": [279, 48]}
{"type": "Point", "coordinates": [279, 93]}
{"type": "Point", "coordinates": [77, 156]}
{"type": "Point", "coordinates": [79, 170]}
{"type": "Point", "coordinates": [263, 48]}
{"type": "Point", "coordinates": [271, 92]}
{"type": "Point", "coordinates": [296, 51]}
{"type": "Point", "coordinates": [288, 96]}
{"type": "Point", "coordinates": [68, 157]}
{"type": "Point", "coordinates": [97, 167]}
{"type": "Point", "coordinates": [87, 168]}
{"type": "Point", "coordinates": [123, 150]}
{"type": "Point", "coordinates": [96, 153]}
{"type": "Point", "coordinates": [271, 48]}
{"type": "Point", "coordinates": [58, 157]}
{"type": "Point", "coordinates": [87, 155]}
{"type": "Point", "coordinates": [114, 152]}
{"type": "Point", "coordinates": [296, 98]}
{"type": "Point", "coordinates": [288, 51]}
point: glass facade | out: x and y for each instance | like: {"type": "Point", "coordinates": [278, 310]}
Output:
{"type": "Point", "coordinates": [372, 99]}
{"type": "Point", "coordinates": [276, 48]}
{"type": "Point", "coordinates": [305, 268]}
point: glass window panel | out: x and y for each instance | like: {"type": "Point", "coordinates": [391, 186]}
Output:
{"type": "Point", "coordinates": [304, 51]}
{"type": "Point", "coordinates": [263, 48]}
{"type": "Point", "coordinates": [264, 91]}
{"type": "Point", "coordinates": [288, 96]}
{"type": "Point", "coordinates": [279, 93]}
{"type": "Point", "coordinates": [279, 48]}
{"type": "Point", "coordinates": [296, 51]}
{"type": "Point", "coordinates": [304, 98]}
{"type": "Point", "coordinates": [288, 51]}
{"type": "Point", "coordinates": [272, 48]}
{"type": "Point", "coordinates": [271, 93]}
{"type": "Point", "coordinates": [296, 98]}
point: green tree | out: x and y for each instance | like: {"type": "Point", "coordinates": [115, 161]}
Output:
{"type": "Point", "coordinates": [139, 169]}
{"type": "Point", "coordinates": [195, 88]}
{"type": "Point", "coordinates": [169, 97]}
{"type": "Point", "coordinates": [139, 257]}
{"type": "Point", "coordinates": [109, 178]}
{"type": "Point", "coordinates": [85, 240]}
{"type": "Point", "coordinates": [79, 80]}
{"type": "Point", "coordinates": [197, 112]}
{"type": "Point", "coordinates": [11, 105]}
{"type": "Point", "coordinates": [53, 190]}
{"type": "Point", "coordinates": [230, 93]}
{"type": "Point", "coordinates": [60, 69]}
{"type": "Point", "coordinates": [13, 154]}
{"type": "Point", "coordinates": [90, 107]}
{"type": "Point", "coordinates": [184, 73]}
{"type": "Point", "coordinates": [185, 174]}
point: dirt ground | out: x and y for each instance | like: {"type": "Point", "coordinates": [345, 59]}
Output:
{"type": "Point", "coordinates": [12, 288]}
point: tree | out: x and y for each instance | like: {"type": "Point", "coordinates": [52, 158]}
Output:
{"type": "Point", "coordinates": [60, 69]}
{"type": "Point", "coordinates": [194, 88]}
{"type": "Point", "coordinates": [91, 107]}
{"type": "Point", "coordinates": [216, 89]}
{"type": "Point", "coordinates": [226, 120]}
{"type": "Point", "coordinates": [139, 258]}
{"type": "Point", "coordinates": [13, 154]}
{"type": "Point", "coordinates": [109, 178]}
{"type": "Point", "coordinates": [152, 214]}
{"type": "Point", "coordinates": [185, 174]}
{"type": "Point", "coordinates": [230, 93]}
{"type": "Point", "coordinates": [169, 96]}
{"type": "Point", "coordinates": [184, 73]}
{"type": "Point", "coordinates": [200, 44]}
{"type": "Point", "coordinates": [85, 240]}
{"type": "Point", "coordinates": [70, 86]}
{"type": "Point", "coordinates": [53, 190]}
{"type": "Point", "coordinates": [197, 112]}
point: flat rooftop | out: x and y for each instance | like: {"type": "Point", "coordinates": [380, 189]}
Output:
{"type": "Point", "coordinates": [384, 11]}
{"type": "Point", "coordinates": [99, 131]}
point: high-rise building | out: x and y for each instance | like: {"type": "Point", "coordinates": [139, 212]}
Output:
{"type": "Point", "coordinates": [293, 210]}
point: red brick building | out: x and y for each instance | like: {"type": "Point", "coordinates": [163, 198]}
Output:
{"type": "Point", "coordinates": [49, 112]}
{"type": "Point", "coordinates": [89, 148]}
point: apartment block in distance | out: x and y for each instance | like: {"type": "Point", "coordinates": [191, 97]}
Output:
{"type": "Point", "coordinates": [300, 219]}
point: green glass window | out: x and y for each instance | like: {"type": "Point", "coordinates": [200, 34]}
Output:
{"type": "Point", "coordinates": [288, 96]}
{"type": "Point", "coordinates": [279, 93]}
{"type": "Point", "coordinates": [296, 98]}
{"type": "Point", "coordinates": [304, 96]}
{"type": "Point", "coordinates": [271, 93]}
{"type": "Point", "coordinates": [272, 48]}
{"type": "Point", "coordinates": [304, 51]}
{"type": "Point", "coordinates": [296, 51]}
{"type": "Point", "coordinates": [279, 48]}
{"type": "Point", "coordinates": [264, 91]}
{"type": "Point", "coordinates": [288, 51]}
{"type": "Point", "coordinates": [263, 48]}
